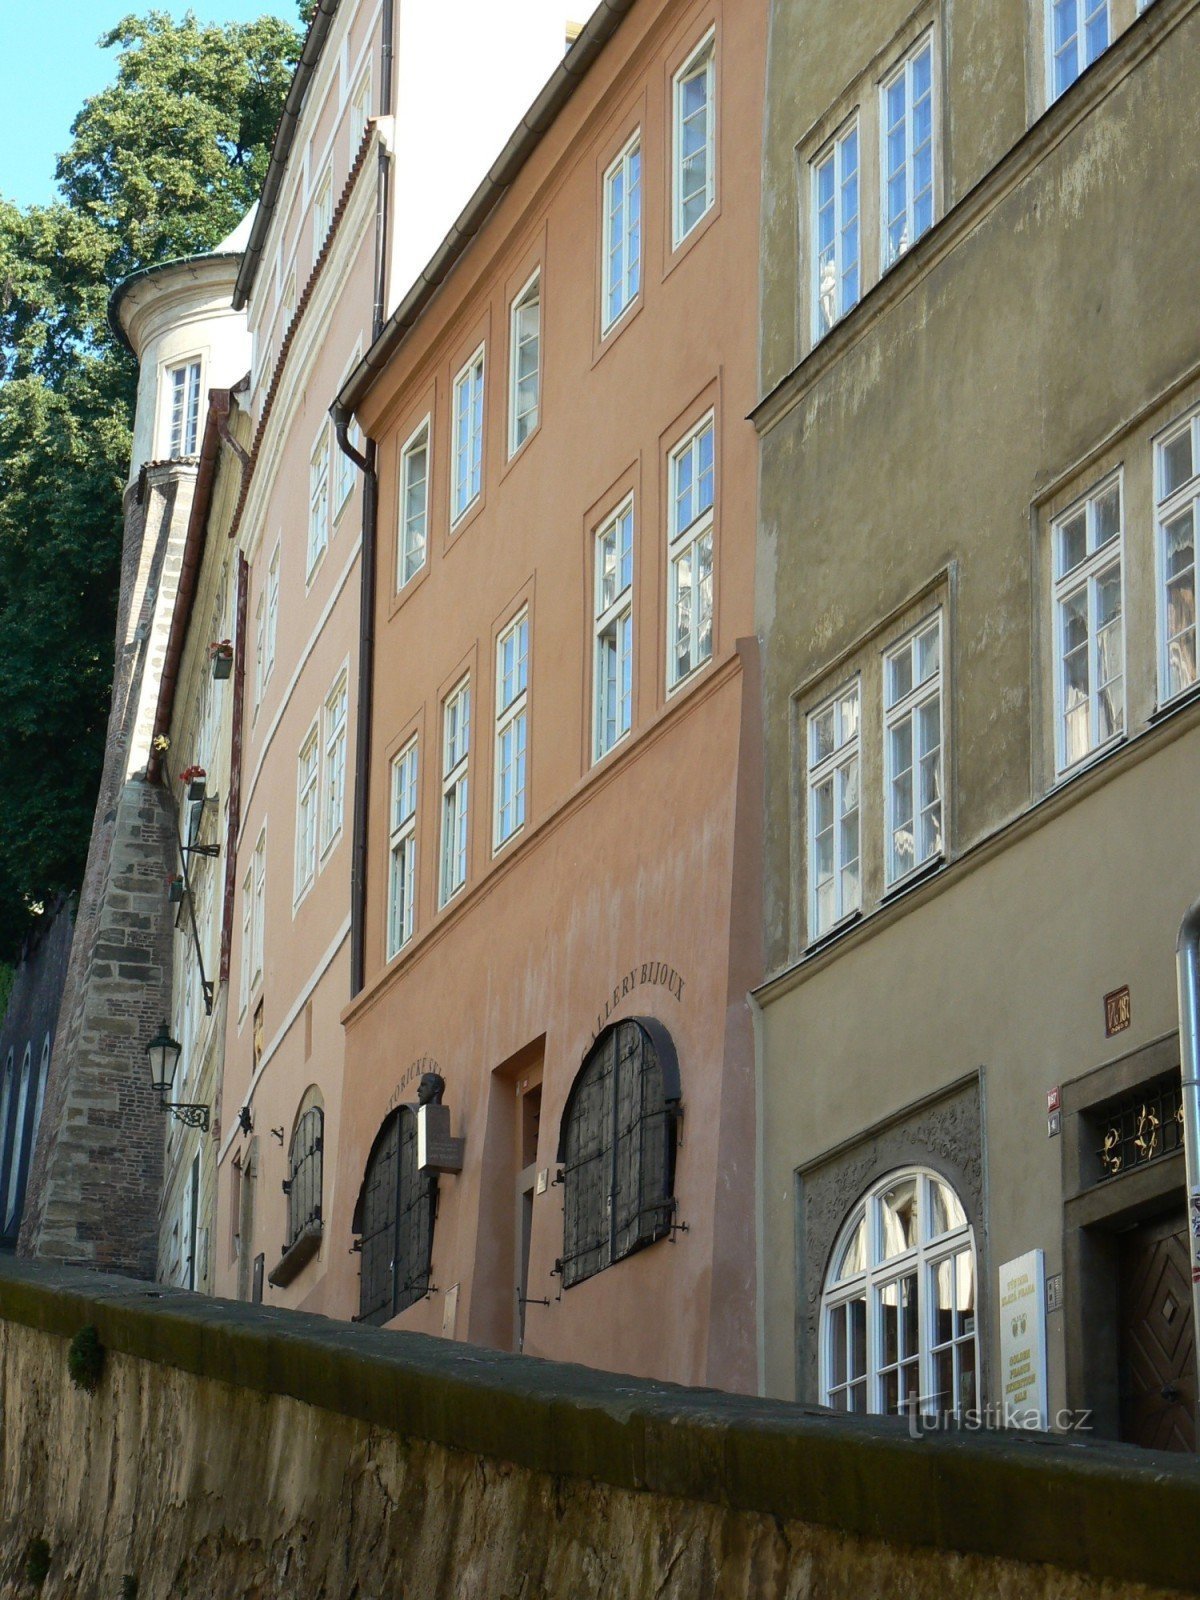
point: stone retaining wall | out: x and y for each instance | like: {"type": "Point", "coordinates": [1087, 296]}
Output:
{"type": "Point", "coordinates": [241, 1453]}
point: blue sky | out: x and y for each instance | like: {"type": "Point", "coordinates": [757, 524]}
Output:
{"type": "Point", "coordinates": [49, 64]}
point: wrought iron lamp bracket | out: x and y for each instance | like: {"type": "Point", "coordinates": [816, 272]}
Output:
{"type": "Point", "coordinates": [192, 1116]}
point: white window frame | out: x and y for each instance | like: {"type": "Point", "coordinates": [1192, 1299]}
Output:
{"type": "Point", "coordinates": [523, 423]}
{"type": "Point", "coordinates": [701, 63]}
{"type": "Point", "coordinates": [412, 550]}
{"type": "Point", "coordinates": [466, 450]}
{"type": "Point", "coordinates": [183, 434]}
{"type": "Point", "coordinates": [907, 706]}
{"type": "Point", "coordinates": [511, 767]}
{"type": "Point", "coordinates": [272, 624]}
{"type": "Point", "coordinates": [259, 910]}
{"type": "Point", "coordinates": [260, 646]}
{"type": "Point", "coordinates": [247, 938]}
{"type": "Point", "coordinates": [454, 846]}
{"type": "Point", "coordinates": [880, 1273]}
{"type": "Point", "coordinates": [287, 302]}
{"type": "Point", "coordinates": [360, 112]}
{"type": "Point", "coordinates": [830, 154]}
{"type": "Point", "coordinates": [841, 769]}
{"type": "Point", "coordinates": [402, 846]}
{"type": "Point", "coordinates": [628, 238]}
{"type": "Point", "coordinates": [613, 648]}
{"type": "Point", "coordinates": [1170, 508]}
{"type": "Point", "coordinates": [904, 72]}
{"type": "Point", "coordinates": [1083, 12]}
{"type": "Point", "coordinates": [318, 503]}
{"type": "Point", "coordinates": [308, 799]}
{"type": "Point", "coordinates": [1086, 573]}
{"type": "Point", "coordinates": [689, 541]}
{"type": "Point", "coordinates": [345, 471]}
{"type": "Point", "coordinates": [322, 212]}
{"type": "Point", "coordinates": [335, 717]}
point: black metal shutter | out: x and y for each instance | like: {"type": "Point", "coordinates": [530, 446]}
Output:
{"type": "Point", "coordinates": [305, 1162]}
{"type": "Point", "coordinates": [416, 1198]}
{"type": "Point", "coordinates": [380, 1189]}
{"type": "Point", "coordinates": [587, 1171]}
{"type": "Point", "coordinates": [642, 1201]}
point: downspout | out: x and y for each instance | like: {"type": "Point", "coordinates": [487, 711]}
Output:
{"type": "Point", "coordinates": [342, 416]}
{"type": "Point", "coordinates": [1187, 966]}
{"type": "Point", "coordinates": [366, 684]}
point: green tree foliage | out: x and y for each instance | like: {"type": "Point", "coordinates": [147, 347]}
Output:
{"type": "Point", "coordinates": [163, 163]}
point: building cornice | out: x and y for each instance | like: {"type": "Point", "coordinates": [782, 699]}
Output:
{"type": "Point", "coordinates": [1057, 124]}
{"type": "Point", "coordinates": [281, 150]}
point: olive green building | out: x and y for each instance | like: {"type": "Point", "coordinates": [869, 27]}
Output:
{"type": "Point", "coordinates": [980, 488]}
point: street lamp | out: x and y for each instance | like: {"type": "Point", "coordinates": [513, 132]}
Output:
{"type": "Point", "coordinates": [163, 1053]}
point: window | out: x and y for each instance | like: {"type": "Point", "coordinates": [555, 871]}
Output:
{"type": "Point", "coordinates": [456, 739]}
{"type": "Point", "coordinates": [690, 554]}
{"type": "Point", "coordinates": [345, 470]}
{"type": "Point", "coordinates": [322, 212]}
{"type": "Point", "coordinates": [306, 811]}
{"type": "Point", "coordinates": [402, 878]}
{"type": "Point", "coordinates": [360, 114]}
{"type": "Point", "coordinates": [907, 127]}
{"type": "Point", "coordinates": [334, 786]}
{"type": "Point", "coordinates": [912, 698]}
{"type": "Point", "coordinates": [1079, 30]}
{"type": "Point", "coordinates": [394, 1218]}
{"type": "Point", "coordinates": [1177, 496]}
{"type": "Point", "coordinates": [694, 167]}
{"type": "Point", "coordinates": [833, 810]}
{"type": "Point", "coordinates": [613, 690]}
{"type": "Point", "coordinates": [622, 231]}
{"type": "Point", "coordinates": [617, 1148]}
{"type": "Point", "coordinates": [525, 374]}
{"type": "Point", "coordinates": [414, 505]}
{"type": "Point", "coordinates": [468, 436]}
{"type": "Point", "coordinates": [1088, 626]}
{"type": "Point", "coordinates": [247, 937]}
{"type": "Point", "coordinates": [898, 1311]}
{"type": "Point", "coordinates": [183, 397]}
{"type": "Point", "coordinates": [836, 284]}
{"type": "Point", "coordinates": [288, 303]}
{"type": "Point", "coordinates": [258, 916]}
{"type": "Point", "coordinates": [272, 614]}
{"type": "Point", "coordinates": [305, 1164]}
{"type": "Point", "coordinates": [318, 502]}
{"type": "Point", "coordinates": [260, 645]}
{"type": "Point", "coordinates": [512, 686]}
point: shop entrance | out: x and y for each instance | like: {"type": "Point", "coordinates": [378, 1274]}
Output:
{"type": "Point", "coordinates": [1157, 1340]}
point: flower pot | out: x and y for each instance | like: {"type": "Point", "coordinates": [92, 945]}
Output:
{"type": "Point", "coordinates": [222, 666]}
{"type": "Point", "coordinates": [175, 891]}
{"type": "Point", "coordinates": [196, 788]}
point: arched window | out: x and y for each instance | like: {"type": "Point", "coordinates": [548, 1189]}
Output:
{"type": "Point", "coordinates": [394, 1217]}
{"type": "Point", "coordinates": [6, 1119]}
{"type": "Point", "coordinates": [898, 1310]}
{"type": "Point", "coordinates": [305, 1164]}
{"type": "Point", "coordinates": [21, 1140]}
{"type": "Point", "coordinates": [617, 1148]}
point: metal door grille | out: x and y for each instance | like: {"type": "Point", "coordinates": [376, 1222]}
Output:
{"type": "Point", "coordinates": [619, 1141]}
{"type": "Point", "coordinates": [305, 1162]}
{"type": "Point", "coordinates": [397, 1223]}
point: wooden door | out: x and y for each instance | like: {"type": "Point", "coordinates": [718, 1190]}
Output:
{"type": "Point", "coordinates": [1158, 1341]}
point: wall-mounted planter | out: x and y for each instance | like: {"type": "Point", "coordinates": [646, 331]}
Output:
{"type": "Point", "coordinates": [222, 666]}
{"type": "Point", "coordinates": [175, 891]}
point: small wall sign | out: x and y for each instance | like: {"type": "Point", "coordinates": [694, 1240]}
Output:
{"type": "Point", "coordinates": [1117, 1012]}
{"type": "Point", "coordinates": [1023, 1340]}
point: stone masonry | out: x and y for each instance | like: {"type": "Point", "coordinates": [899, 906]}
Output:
{"type": "Point", "coordinates": [95, 1180]}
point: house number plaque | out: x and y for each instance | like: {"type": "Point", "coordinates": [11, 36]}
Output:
{"type": "Point", "coordinates": [1117, 1013]}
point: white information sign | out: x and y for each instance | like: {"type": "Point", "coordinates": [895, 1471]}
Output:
{"type": "Point", "coordinates": [1023, 1397]}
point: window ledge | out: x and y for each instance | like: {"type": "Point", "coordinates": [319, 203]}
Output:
{"type": "Point", "coordinates": [1178, 702]}
{"type": "Point", "coordinates": [910, 880]}
{"type": "Point", "coordinates": [297, 1255]}
{"type": "Point", "coordinates": [832, 935]}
